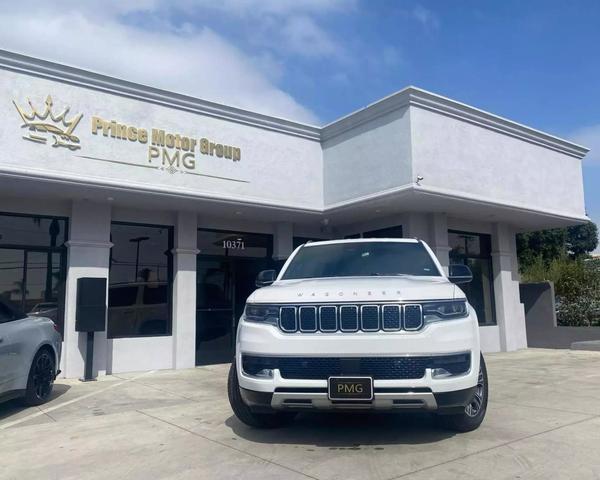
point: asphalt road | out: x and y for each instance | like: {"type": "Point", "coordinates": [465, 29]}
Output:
{"type": "Point", "coordinates": [543, 422]}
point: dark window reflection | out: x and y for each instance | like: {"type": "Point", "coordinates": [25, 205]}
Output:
{"type": "Point", "coordinates": [32, 230]}
{"type": "Point", "coordinates": [389, 232]}
{"type": "Point", "coordinates": [33, 264]}
{"type": "Point", "coordinates": [474, 250]}
{"type": "Point", "coordinates": [139, 294]}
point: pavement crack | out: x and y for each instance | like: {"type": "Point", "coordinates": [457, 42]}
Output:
{"type": "Point", "coordinates": [239, 450]}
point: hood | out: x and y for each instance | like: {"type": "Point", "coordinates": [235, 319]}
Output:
{"type": "Point", "coordinates": [359, 289]}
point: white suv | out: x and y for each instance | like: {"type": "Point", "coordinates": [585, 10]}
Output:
{"type": "Point", "coordinates": [359, 324]}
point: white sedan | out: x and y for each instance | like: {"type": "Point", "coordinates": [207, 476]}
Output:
{"type": "Point", "coordinates": [29, 356]}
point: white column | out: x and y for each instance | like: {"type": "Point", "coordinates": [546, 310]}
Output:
{"type": "Point", "coordinates": [438, 238]}
{"type": "Point", "coordinates": [88, 256]}
{"type": "Point", "coordinates": [510, 314]}
{"type": "Point", "coordinates": [283, 240]}
{"type": "Point", "coordinates": [432, 228]}
{"type": "Point", "coordinates": [415, 225]}
{"type": "Point", "coordinates": [184, 290]}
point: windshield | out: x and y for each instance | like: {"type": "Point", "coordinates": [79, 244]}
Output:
{"type": "Point", "coordinates": [359, 259]}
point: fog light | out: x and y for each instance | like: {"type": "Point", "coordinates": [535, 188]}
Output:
{"type": "Point", "coordinates": [440, 373]}
{"type": "Point", "coordinates": [264, 373]}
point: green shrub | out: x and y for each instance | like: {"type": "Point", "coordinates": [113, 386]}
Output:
{"type": "Point", "coordinates": [576, 284]}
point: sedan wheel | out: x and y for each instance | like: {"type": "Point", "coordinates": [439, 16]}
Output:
{"type": "Point", "coordinates": [41, 378]}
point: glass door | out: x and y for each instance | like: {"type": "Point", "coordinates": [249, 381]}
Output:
{"type": "Point", "coordinates": [227, 267]}
{"type": "Point", "coordinates": [215, 321]}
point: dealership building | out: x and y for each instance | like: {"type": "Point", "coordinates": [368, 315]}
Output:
{"type": "Point", "coordinates": [179, 202]}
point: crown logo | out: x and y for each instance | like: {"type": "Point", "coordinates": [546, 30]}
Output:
{"type": "Point", "coordinates": [41, 125]}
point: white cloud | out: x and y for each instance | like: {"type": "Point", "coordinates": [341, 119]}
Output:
{"type": "Point", "coordinates": [427, 18]}
{"type": "Point", "coordinates": [588, 137]}
{"type": "Point", "coordinates": [304, 37]}
{"type": "Point", "coordinates": [190, 58]}
{"type": "Point", "coordinates": [276, 7]}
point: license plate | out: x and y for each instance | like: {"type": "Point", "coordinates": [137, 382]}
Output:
{"type": "Point", "coordinates": [350, 388]}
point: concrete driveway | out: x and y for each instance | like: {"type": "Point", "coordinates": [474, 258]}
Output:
{"type": "Point", "coordinates": [543, 422]}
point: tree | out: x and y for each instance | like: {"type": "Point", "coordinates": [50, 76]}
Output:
{"type": "Point", "coordinates": [575, 242]}
{"type": "Point", "coordinates": [582, 239]}
{"type": "Point", "coordinates": [547, 244]}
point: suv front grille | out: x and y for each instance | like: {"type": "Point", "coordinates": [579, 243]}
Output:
{"type": "Point", "coordinates": [350, 318]}
{"type": "Point", "coordinates": [379, 368]}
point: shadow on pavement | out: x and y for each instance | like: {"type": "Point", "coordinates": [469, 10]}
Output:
{"type": "Point", "coordinates": [16, 405]}
{"type": "Point", "coordinates": [340, 430]}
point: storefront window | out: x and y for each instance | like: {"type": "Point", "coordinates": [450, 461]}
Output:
{"type": "Point", "coordinates": [474, 250]}
{"type": "Point", "coordinates": [140, 281]}
{"type": "Point", "coordinates": [389, 232]}
{"type": "Point", "coordinates": [33, 264]}
{"type": "Point", "coordinates": [32, 230]}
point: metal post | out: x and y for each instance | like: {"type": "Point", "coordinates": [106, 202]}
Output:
{"type": "Point", "coordinates": [89, 359]}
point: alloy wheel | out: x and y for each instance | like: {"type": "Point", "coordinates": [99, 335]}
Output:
{"type": "Point", "coordinates": [43, 373]}
{"type": "Point", "coordinates": [473, 408]}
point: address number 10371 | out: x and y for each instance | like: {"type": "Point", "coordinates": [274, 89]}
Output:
{"type": "Point", "coordinates": [234, 244]}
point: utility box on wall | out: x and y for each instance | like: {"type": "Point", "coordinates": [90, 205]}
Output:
{"type": "Point", "coordinates": [91, 305]}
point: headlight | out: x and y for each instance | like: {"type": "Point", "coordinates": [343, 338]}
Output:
{"type": "Point", "coordinates": [268, 314]}
{"type": "Point", "coordinates": [439, 311]}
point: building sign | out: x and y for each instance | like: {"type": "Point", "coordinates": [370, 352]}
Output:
{"type": "Point", "coordinates": [171, 152]}
{"type": "Point", "coordinates": [45, 124]}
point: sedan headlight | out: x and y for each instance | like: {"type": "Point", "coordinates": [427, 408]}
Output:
{"type": "Point", "coordinates": [440, 311]}
{"type": "Point", "coordinates": [268, 314]}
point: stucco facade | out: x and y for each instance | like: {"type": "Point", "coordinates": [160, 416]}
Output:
{"type": "Point", "coordinates": [428, 166]}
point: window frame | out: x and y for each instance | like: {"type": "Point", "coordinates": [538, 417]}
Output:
{"type": "Point", "coordinates": [464, 257]}
{"type": "Point", "coordinates": [170, 275]}
{"type": "Point", "coordinates": [48, 249]}
{"type": "Point", "coordinates": [37, 247]}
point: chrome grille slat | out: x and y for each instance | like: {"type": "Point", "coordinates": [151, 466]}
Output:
{"type": "Point", "coordinates": [391, 318]}
{"type": "Point", "coordinates": [369, 318]}
{"type": "Point", "coordinates": [345, 318]}
{"type": "Point", "coordinates": [413, 317]}
{"type": "Point", "coordinates": [328, 321]}
{"type": "Point", "coordinates": [349, 320]}
{"type": "Point", "coordinates": [288, 320]}
{"type": "Point", "coordinates": [308, 319]}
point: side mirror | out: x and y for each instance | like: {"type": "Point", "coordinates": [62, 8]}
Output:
{"type": "Point", "coordinates": [265, 278]}
{"type": "Point", "coordinates": [459, 274]}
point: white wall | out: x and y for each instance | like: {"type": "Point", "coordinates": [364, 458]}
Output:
{"type": "Point", "coordinates": [457, 156]}
{"type": "Point", "coordinates": [272, 162]}
{"type": "Point", "coordinates": [369, 158]}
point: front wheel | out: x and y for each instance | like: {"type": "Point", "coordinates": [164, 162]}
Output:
{"type": "Point", "coordinates": [41, 378]}
{"type": "Point", "coordinates": [245, 414]}
{"type": "Point", "coordinates": [474, 412]}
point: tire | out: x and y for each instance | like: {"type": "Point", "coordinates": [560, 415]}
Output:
{"type": "Point", "coordinates": [474, 412]}
{"type": "Point", "coordinates": [245, 414]}
{"type": "Point", "coordinates": [41, 378]}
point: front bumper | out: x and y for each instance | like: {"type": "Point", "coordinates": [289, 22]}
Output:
{"type": "Point", "coordinates": [384, 399]}
{"type": "Point", "coordinates": [429, 393]}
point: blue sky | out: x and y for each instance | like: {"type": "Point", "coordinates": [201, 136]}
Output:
{"type": "Point", "coordinates": [535, 62]}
